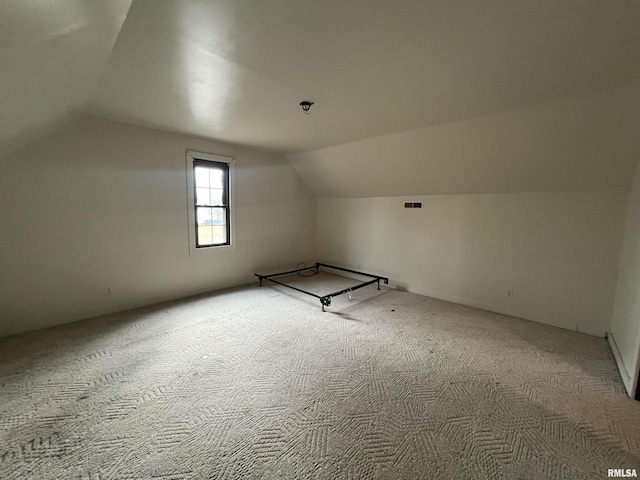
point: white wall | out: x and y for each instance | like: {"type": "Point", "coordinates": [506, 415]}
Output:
{"type": "Point", "coordinates": [583, 143]}
{"type": "Point", "coordinates": [558, 252]}
{"type": "Point", "coordinates": [625, 326]}
{"type": "Point", "coordinates": [104, 204]}
{"type": "Point", "coordinates": [530, 200]}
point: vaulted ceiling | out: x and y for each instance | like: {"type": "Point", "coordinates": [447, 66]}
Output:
{"type": "Point", "coordinates": [235, 70]}
{"type": "Point", "coordinates": [52, 55]}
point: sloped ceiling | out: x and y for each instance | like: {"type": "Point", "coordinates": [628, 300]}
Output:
{"type": "Point", "coordinates": [52, 54]}
{"type": "Point", "coordinates": [588, 142]}
{"type": "Point", "coordinates": [235, 70]}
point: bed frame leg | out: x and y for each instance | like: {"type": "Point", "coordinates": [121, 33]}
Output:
{"type": "Point", "coordinates": [325, 302]}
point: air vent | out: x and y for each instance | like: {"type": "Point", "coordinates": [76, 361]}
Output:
{"type": "Point", "coordinates": [412, 204]}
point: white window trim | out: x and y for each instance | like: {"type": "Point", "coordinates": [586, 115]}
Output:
{"type": "Point", "coordinates": [191, 156]}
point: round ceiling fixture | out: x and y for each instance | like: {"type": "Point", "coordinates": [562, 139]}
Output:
{"type": "Point", "coordinates": [306, 105]}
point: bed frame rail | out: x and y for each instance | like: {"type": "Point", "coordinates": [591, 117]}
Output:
{"type": "Point", "coordinates": [325, 300]}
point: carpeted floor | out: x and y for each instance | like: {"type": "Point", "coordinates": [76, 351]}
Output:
{"type": "Point", "coordinates": [259, 383]}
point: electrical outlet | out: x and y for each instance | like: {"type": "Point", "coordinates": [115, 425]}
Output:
{"type": "Point", "coordinates": [358, 265]}
{"type": "Point", "coordinates": [107, 291]}
{"type": "Point", "coordinates": [509, 293]}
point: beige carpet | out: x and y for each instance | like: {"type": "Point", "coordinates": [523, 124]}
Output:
{"type": "Point", "coordinates": [259, 383]}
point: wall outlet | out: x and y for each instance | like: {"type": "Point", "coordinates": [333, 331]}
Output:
{"type": "Point", "coordinates": [358, 265]}
{"type": "Point", "coordinates": [107, 291]}
{"type": "Point", "coordinates": [509, 293]}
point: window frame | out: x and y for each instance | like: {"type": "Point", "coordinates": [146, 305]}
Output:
{"type": "Point", "coordinates": [193, 159]}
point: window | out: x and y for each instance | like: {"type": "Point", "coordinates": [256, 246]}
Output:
{"type": "Point", "coordinates": [209, 182]}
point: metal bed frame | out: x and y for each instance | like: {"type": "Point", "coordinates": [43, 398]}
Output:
{"type": "Point", "coordinates": [325, 300]}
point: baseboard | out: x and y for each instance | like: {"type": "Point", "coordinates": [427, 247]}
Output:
{"type": "Point", "coordinates": [468, 302]}
{"type": "Point", "coordinates": [624, 373]}
{"type": "Point", "coordinates": [123, 307]}
{"type": "Point", "coordinates": [163, 299]}
{"type": "Point", "coordinates": [491, 308]}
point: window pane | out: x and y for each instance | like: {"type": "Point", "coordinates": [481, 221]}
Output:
{"type": "Point", "coordinates": [205, 235]}
{"type": "Point", "coordinates": [219, 234]}
{"type": "Point", "coordinates": [202, 176]}
{"type": "Point", "coordinates": [210, 188]}
{"type": "Point", "coordinates": [216, 196]}
{"type": "Point", "coordinates": [211, 216]}
{"type": "Point", "coordinates": [204, 216]}
{"type": "Point", "coordinates": [218, 216]}
{"type": "Point", "coordinates": [216, 178]}
{"type": "Point", "coordinates": [212, 225]}
{"type": "Point", "coordinates": [212, 235]}
{"type": "Point", "coordinates": [202, 196]}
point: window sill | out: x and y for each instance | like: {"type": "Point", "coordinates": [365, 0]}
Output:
{"type": "Point", "coordinates": [193, 250]}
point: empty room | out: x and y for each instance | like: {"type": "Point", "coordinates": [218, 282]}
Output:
{"type": "Point", "coordinates": [319, 239]}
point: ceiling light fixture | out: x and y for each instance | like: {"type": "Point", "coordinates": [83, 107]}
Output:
{"type": "Point", "coordinates": [306, 105]}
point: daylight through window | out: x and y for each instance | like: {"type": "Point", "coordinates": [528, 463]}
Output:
{"type": "Point", "coordinates": [211, 203]}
